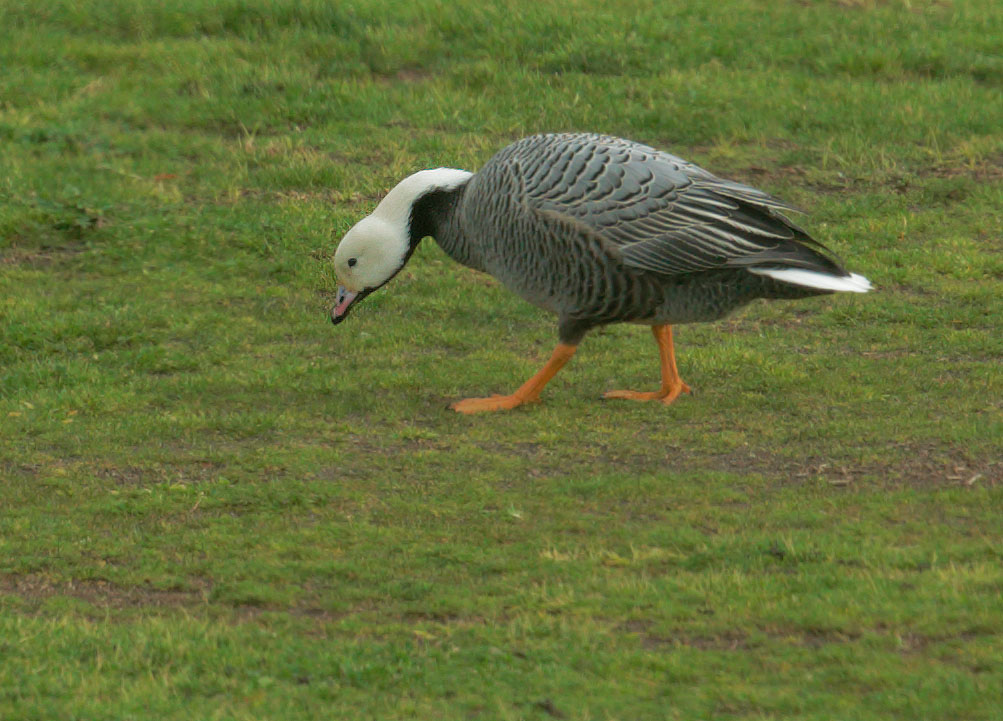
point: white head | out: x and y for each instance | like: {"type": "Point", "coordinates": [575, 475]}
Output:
{"type": "Point", "coordinates": [375, 249]}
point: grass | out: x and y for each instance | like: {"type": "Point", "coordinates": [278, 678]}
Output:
{"type": "Point", "coordinates": [215, 505]}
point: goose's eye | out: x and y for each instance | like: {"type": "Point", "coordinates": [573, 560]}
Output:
{"type": "Point", "coordinates": [352, 262]}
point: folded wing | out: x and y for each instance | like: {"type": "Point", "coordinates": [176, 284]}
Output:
{"type": "Point", "coordinates": [665, 215]}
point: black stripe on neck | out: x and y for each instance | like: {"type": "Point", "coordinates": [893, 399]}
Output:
{"type": "Point", "coordinates": [431, 212]}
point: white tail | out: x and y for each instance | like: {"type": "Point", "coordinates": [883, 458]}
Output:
{"type": "Point", "coordinates": [851, 283]}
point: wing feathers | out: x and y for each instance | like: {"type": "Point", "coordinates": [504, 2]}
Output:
{"type": "Point", "coordinates": [666, 215]}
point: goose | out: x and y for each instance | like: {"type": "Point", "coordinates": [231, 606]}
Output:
{"type": "Point", "coordinates": [597, 230]}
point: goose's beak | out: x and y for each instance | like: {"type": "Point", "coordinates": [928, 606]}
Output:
{"type": "Point", "coordinates": [343, 302]}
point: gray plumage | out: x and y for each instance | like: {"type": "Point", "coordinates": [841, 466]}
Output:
{"type": "Point", "coordinates": [601, 230]}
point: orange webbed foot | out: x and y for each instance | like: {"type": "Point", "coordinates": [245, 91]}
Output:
{"type": "Point", "coordinates": [492, 403]}
{"type": "Point", "coordinates": [527, 393]}
{"type": "Point", "coordinates": [665, 395]}
{"type": "Point", "coordinates": [672, 384]}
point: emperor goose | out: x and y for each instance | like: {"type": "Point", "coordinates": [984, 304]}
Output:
{"type": "Point", "coordinates": [597, 230]}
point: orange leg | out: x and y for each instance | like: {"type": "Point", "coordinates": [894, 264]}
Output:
{"type": "Point", "coordinates": [672, 384]}
{"type": "Point", "coordinates": [528, 391]}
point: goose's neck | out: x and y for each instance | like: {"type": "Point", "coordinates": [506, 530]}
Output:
{"type": "Point", "coordinates": [437, 214]}
{"type": "Point", "coordinates": [397, 204]}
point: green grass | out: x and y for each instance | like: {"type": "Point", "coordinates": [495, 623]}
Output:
{"type": "Point", "coordinates": [215, 505]}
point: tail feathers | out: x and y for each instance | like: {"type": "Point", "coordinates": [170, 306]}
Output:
{"type": "Point", "coordinates": [851, 283]}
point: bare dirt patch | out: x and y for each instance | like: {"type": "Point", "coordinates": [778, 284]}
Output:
{"type": "Point", "coordinates": [724, 642]}
{"type": "Point", "coordinates": [24, 469]}
{"type": "Point", "coordinates": [187, 471]}
{"type": "Point", "coordinates": [407, 76]}
{"type": "Point", "coordinates": [901, 181]}
{"type": "Point", "coordinates": [736, 640]}
{"type": "Point", "coordinates": [986, 170]}
{"type": "Point", "coordinates": [914, 465]}
{"type": "Point", "coordinates": [44, 257]}
{"type": "Point", "coordinates": [37, 588]}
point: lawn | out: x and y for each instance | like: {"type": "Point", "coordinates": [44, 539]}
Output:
{"type": "Point", "coordinates": [215, 505]}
